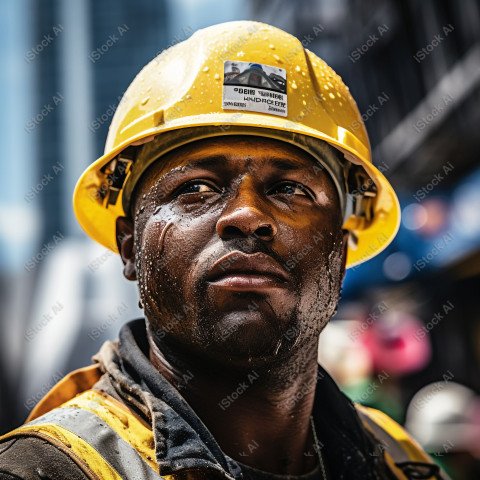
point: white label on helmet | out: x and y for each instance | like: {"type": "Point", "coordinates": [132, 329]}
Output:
{"type": "Point", "coordinates": [255, 87]}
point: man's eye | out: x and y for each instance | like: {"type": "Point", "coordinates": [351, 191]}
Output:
{"type": "Point", "coordinates": [292, 188]}
{"type": "Point", "coordinates": [191, 187]}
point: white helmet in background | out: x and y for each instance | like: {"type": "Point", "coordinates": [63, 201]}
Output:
{"type": "Point", "coordinates": [445, 417]}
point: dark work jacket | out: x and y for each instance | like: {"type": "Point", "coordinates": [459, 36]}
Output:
{"type": "Point", "coordinates": [182, 441]}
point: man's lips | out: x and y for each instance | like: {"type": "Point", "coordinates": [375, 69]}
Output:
{"type": "Point", "coordinates": [248, 281]}
{"type": "Point", "coordinates": [240, 271]}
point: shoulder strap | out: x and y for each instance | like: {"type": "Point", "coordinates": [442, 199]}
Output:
{"type": "Point", "coordinates": [405, 457]}
{"type": "Point", "coordinates": [101, 435]}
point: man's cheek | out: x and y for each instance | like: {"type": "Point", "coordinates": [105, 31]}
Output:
{"type": "Point", "coordinates": [318, 262]}
{"type": "Point", "coordinates": [155, 234]}
{"type": "Point", "coordinates": [158, 264]}
{"type": "Point", "coordinates": [162, 295]}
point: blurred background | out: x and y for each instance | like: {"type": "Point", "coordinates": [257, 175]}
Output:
{"type": "Point", "coordinates": [406, 338]}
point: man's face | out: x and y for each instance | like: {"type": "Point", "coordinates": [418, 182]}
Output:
{"type": "Point", "coordinates": [244, 194]}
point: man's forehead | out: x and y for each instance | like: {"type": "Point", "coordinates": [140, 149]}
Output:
{"type": "Point", "coordinates": [227, 153]}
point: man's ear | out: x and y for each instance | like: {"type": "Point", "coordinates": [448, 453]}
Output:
{"type": "Point", "coordinates": [126, 246]}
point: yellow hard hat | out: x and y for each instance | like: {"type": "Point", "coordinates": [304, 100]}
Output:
{"type": "Point", "coordinates": [238, 77]}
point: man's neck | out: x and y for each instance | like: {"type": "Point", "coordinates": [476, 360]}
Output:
{"type": "Point", "coordinates": [259, 416]}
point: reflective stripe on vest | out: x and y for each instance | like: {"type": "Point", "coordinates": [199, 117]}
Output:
{"type": "Point", "coordinates": [111, 441]}
{"type": "Point", "coordinates": [399, 446]}
{"type": "Point", "coordinates": [127, 426]}
{"type": "Point", "coordinates": [84, 455]}
{"type": "Point", "coordinates": [89, 427]}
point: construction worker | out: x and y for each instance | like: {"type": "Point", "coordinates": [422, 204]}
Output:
{"type": "Point", "coordinates": [237, 278]}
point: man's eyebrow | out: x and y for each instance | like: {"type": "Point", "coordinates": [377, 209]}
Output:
{"type": "Point", "coordinates": [207, 162]}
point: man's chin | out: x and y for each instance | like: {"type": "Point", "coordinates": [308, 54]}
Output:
{"type": "Point", "coordinates": [249, 341]}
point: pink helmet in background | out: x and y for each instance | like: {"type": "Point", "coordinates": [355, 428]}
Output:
{"type": "Point", "coordinates": [398, 343]}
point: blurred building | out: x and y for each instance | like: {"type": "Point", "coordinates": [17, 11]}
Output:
{"type": "Point", "coordinates": [76, 59]}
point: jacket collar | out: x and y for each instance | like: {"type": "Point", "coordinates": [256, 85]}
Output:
{"type": "Point", "coordinates": [182, 441]}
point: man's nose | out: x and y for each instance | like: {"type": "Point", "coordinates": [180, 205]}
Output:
{"type": "Point", "coordinates": [246, 214]}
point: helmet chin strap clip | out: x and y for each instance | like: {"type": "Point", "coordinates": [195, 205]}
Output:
{"type": "Point", "coordinates": [360, 202]}
{"type": "Point", "coordinates": [116, 172]}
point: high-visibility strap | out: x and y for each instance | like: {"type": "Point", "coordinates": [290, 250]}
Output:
{"type": "Point", "coordinates": [397, 441]}
{"type": "Point", "coordinates": [119, 418]}
{"type": "Point", "coordinates": [122, 440]}
{"type": "Point", "coordinates": [91, 429]}
{"type": "Point", "coordinates": [400, 447]}
{"type": "Point", "coordinates": [82, 453]}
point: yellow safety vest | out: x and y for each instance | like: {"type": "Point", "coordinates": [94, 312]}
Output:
{"type": "Point", "coordinates": [110, 442]}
